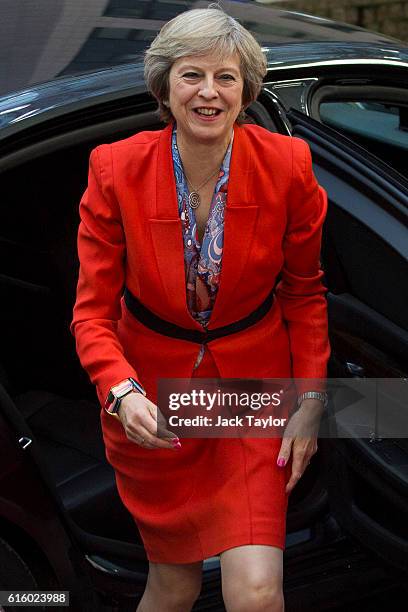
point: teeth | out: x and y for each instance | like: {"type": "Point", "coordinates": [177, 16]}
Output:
{"type": "Point", "coordinates": [206, 111]}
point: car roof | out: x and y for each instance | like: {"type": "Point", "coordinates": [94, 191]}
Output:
{"type": "Point", "coordinates": [290, 39]}
{"type": "Point", "coordinates": [71, 40]}
{"type": "Point", "coordinates": [75, 93]}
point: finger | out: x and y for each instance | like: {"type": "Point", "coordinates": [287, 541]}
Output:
{"type": "Point", "coordinates": [141, 422]}
{"type": "Point", "coordinates": [141, 425]}
{"type": "Point", "coordinates": [294, 479]}
{"type": "Point", "coordinates": [284, 452]}
{"type": "Point", "coordinates": [158, 434]}
{"type": "Point", "coordinates": [145, 438]}
{"type": "Point", "coordinates": [299, 461]}
{"type": "Point", "coordinates": [297, 468]}
{"type": "Point", "coordinates": [139, 436]}
{"type": "Point", "coordinates": [160, 431]}
{"type": "Point", "coordinates": [146, 416]}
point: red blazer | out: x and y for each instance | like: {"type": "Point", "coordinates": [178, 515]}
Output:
{"type": "Point", "coordinates": [130, 233]}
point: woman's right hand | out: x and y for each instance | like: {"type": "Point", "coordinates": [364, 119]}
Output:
{"type": "Point", "coordinates": [144, 424]}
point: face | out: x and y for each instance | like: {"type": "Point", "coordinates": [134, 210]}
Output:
{"type": "Point", "coordinates": [206, 97]}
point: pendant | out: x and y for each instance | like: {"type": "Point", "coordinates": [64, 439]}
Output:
{"type": "Point", "coordinates": [194, 199]}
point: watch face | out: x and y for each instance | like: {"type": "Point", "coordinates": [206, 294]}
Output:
{"type": "Point", "coordinates": [118, 392]}
{"type": "Point", "coordinates": [122, 392]}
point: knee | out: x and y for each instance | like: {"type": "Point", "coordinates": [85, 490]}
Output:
{"type": "Point", "coordinates": [171, 587]}
{"type": "Point", "coordinates": [256, 597]}
{"type": "Point", "coordinates": [175, 597]}
{"type": "Point", "coordinates": [181, 598]}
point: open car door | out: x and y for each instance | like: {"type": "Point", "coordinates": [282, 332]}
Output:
{"type": "Point", "coordinates": [365, 259]}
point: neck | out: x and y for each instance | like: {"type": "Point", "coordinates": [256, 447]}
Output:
{"type": "Point", "coordinates": [200, 159]}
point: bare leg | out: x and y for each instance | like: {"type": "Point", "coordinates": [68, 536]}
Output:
{"type": "Point", "coordinates": [171, 587]}
{"type": "Point", "coordinates": [252, 579]}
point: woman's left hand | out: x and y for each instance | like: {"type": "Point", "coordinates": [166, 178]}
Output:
{"type": "Point", "coordinates": [300, 438]}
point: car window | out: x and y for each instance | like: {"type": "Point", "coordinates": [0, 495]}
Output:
{"type": "Point", "coordinates": [382, 127]}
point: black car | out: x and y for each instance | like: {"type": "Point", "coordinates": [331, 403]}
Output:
{"type": "Point", "coordinates": [62, 524]}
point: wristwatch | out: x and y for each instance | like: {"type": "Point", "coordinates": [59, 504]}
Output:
{"type": "Point", "coordinates": [313, 395]}
{"type": "Point", "coordinates": [118, 392]}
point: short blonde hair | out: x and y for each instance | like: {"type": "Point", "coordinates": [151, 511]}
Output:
{"type": "Point", "coordinates": [199, 32]}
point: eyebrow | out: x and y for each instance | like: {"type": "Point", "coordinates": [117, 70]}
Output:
{"type": "Point", "coordinates": [222, 69]}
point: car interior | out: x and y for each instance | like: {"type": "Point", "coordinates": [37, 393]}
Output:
{"type": "Point", "coordinates": [372, 115]}
{"type": "Point", "coordinates": [42, 183]}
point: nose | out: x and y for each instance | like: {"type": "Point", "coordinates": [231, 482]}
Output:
{"type": "Point", "coordinates": [208, 88]}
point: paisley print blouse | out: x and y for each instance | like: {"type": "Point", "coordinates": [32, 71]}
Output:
{"type": "Point", "coordinates": [202, 260]}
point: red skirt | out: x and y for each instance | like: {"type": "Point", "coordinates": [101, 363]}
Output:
{"type": "Point", "coordinates": [211, 495]}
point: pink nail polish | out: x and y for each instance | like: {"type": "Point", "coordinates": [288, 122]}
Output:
{"type": "Point", "coordinates": [176, 443]}
{"type": "Point", "coordinates": [281, 462]}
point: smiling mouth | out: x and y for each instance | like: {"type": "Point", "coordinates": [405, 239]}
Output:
{"type": "Point", "coordinates": [207, 112]}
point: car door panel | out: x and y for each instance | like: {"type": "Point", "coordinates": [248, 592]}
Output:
{"type": "Point", "coordinates": [365, 259]}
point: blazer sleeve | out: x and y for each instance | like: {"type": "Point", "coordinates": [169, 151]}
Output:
{"type": "Point", "coordinates": [101, 251]}
{"type": "Point", "coordinates": [301, 292]}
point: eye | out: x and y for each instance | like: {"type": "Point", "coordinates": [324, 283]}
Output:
{"type": "Point", "coordinates": [226, 77]}
{"type": "Point", "coordinates": [190, 75]}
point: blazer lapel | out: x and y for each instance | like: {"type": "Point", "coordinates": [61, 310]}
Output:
{"type": "Point", "coordinates": [241, 214]}
{"type": "Point", "coordinates": [166, 231]}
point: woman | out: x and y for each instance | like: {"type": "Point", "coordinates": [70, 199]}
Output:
{"type": "Point", "coordinates": [196, 221]}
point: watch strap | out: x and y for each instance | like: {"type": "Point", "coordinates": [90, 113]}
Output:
{"type": "Point", "coordinates": [319, 395]}
{"type": "Point", "coordinates": [119, 391]}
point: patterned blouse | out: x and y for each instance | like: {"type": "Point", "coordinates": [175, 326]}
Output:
{"type": "Point", "coordinates": [202, 261]}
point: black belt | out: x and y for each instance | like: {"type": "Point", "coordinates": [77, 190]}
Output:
{"type": "Point", "coordinates": [161, 326]}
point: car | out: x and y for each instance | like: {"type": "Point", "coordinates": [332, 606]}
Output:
{"type": "Point", "coordinates": [62, 525]}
